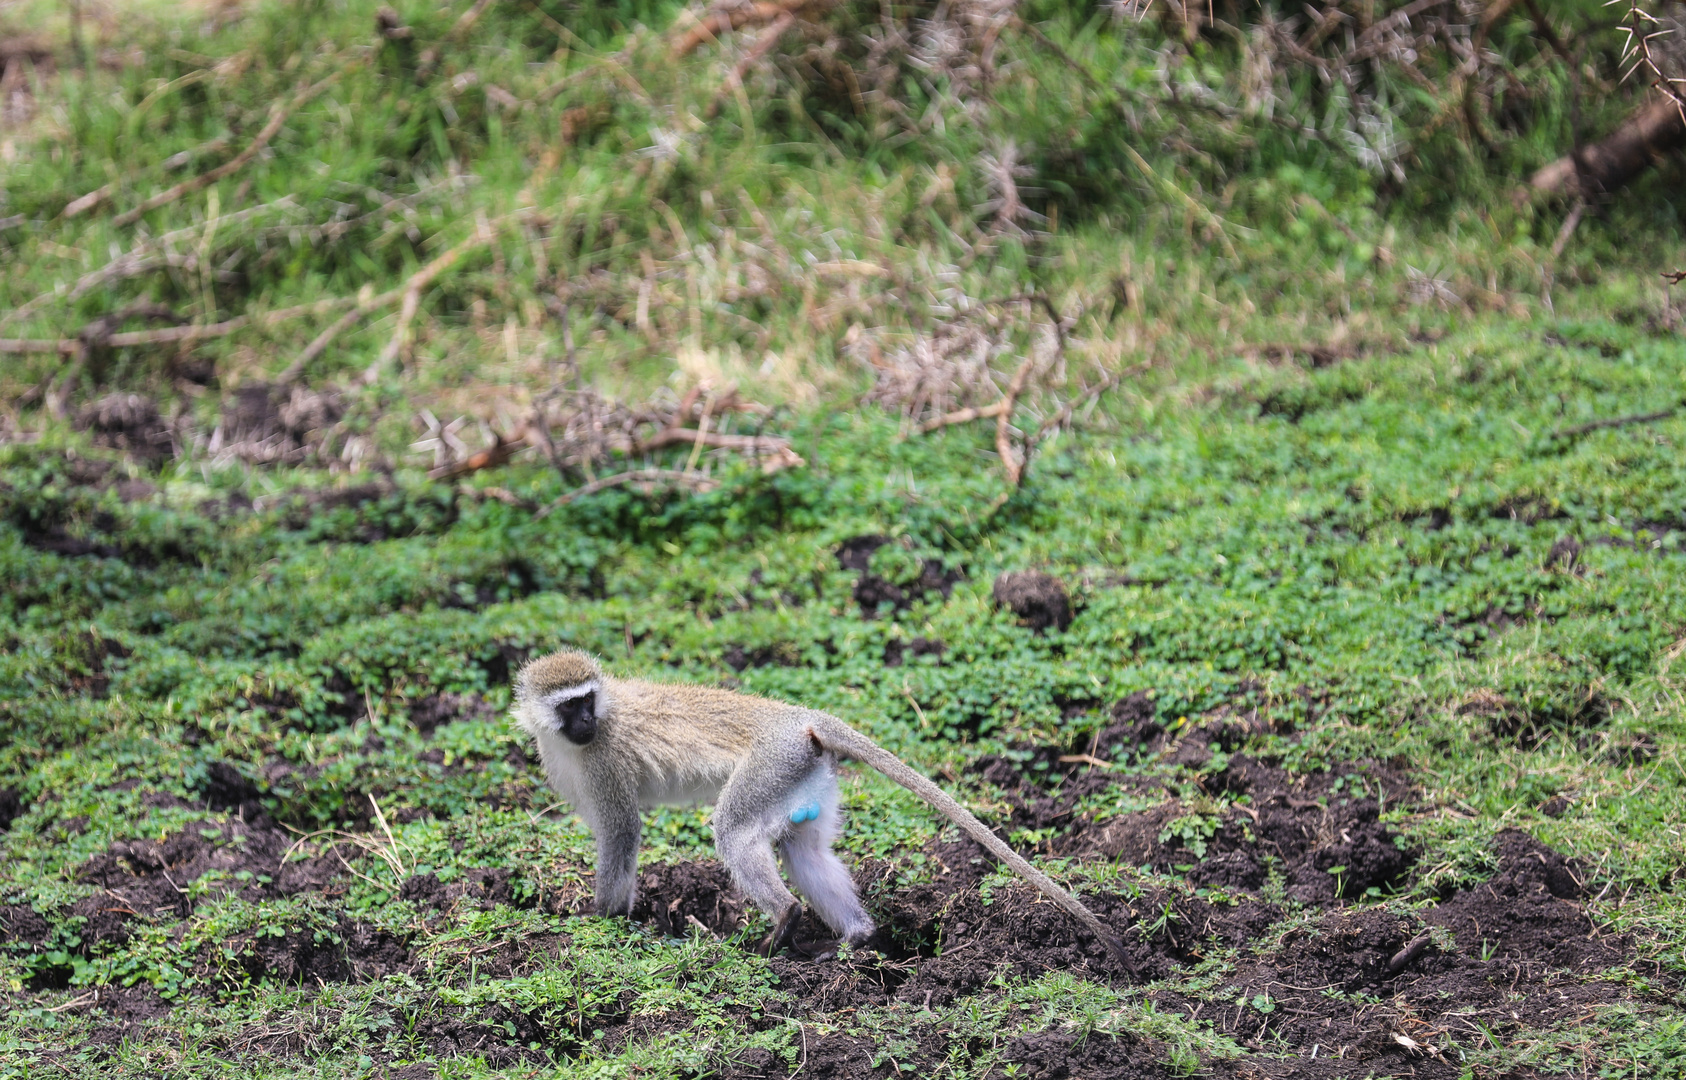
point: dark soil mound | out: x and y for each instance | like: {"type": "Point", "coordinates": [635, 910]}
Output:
{"type": "Point", "coordinates": [871, 591]}
{"type": "Point", "coordinates": [267, 424]}
{"type": "Point", "coordinates": [436, 710]}
{"type": "Point", "coordinates": [130, 423]}
{"type": "Point", "coordinates": [676, 898]}
{"type": "Point", "coordinates": [151, 878]}
{"type": "Point", "coordinates": [1056, 1055]}
{"type": "Point", "coordinates": [225, 787]}
{"type": "Point", "coordinates": [11, 807]}
{"type": "Point", "coordinates": [1529, 912]}
{"type": "Point", "coordinates": [484, 887]}
{"type": "Point", "coordinates": [1038, 599]}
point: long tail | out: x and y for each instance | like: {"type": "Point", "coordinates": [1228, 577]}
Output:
{"type": "Point", "coordinates": [840, 738]}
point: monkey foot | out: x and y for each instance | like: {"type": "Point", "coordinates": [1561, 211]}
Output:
{"type": "Point", "coordinates": [782, 934]}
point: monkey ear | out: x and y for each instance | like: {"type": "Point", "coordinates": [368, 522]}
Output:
{"type": "Point", "coordinates": [819, 747]}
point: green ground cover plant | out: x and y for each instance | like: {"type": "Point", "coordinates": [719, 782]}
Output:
{"type": "Point", "coordinates": [1360, 718]}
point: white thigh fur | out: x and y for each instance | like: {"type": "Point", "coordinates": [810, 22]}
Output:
{"type": "Point", "coordinates": [816, 871]}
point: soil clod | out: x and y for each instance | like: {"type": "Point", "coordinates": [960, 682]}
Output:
{"type": "Point", "coordinates": [130, 423]}
{"type": "Point", "coordinates": [1038, 599]}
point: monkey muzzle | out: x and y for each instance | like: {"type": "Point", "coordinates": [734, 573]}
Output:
{"type": "Point", "coordinates": [576, 718]}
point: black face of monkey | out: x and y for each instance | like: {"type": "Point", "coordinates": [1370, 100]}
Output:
{"type": "Point", "coordinates": [576, 718]}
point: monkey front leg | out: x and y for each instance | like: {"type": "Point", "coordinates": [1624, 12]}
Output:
{"type": "Point", "coordinates": [617, 834]}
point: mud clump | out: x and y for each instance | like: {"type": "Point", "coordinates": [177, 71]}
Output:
{"type": "Point", "coordinates": [1329, 843]}
{"type": "Point", "coordinates": [352, 952]}
{"type": "Point", "coordinates": [1038, 599]}
{"type": "Point", "coordinates": [130, 423]}
{"type": "Point", "coordinates": [483, 887]}
{"type": "Point", "coordinates": [1529, 911]}
{"type": "Point", "coordinates": [1057, 1055]}
{"type": "Point", "coordinates": [896, 652]}
{"type": "Point", "coordinates": [740, 658]}
{"type": "Point", "coordinates": [225, 787]}
{"type": "Point", "coordinates": [144, 879]}
{"type": "Point", "coordinates": [145, 883]}
{"type": "Point", "coordinates": [87, 659]}
{"type": "Point", "coordinates": [1565, 555]}
{"type": "Point", "coordinates": [22, 923]}
{"type": "Point", "coordinates": [873, 591]}
{"type": "Point", "coordinates": [265, 424]}
{"type": "Point", "coordinates": [436, 710]}
{"type": "Point", "coordinates": [675, 898]}
{"type": "Point", "coordinates": [1528, 723]}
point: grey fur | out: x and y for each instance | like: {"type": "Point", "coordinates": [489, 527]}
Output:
{"type": "Point", "coordinates": [756, 760]}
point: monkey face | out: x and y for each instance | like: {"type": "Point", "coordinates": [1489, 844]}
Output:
{"type": "Point", "coordinates": [576, 718]}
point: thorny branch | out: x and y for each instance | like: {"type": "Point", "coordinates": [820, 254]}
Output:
{"type": "Point", "coordinates": [1643, 31]}
{"type": "Point", "coordinates": [955, 362]}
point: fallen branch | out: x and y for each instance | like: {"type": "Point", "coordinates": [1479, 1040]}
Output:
{"type": "Point", "coordinates": [151, 255]}
{"type": "Point", "coordinates": [98, 333]}
{"type": "Point", "coordinates": [1404, 957]}
{"type": "Point", "coordinates": [278, 114]}
{"type": "Point", "coordinates": [1059, 419]}
{"type": "Point", "coordinates": [1568, 229]}
{"type": "Point", "coordinates": [62, 346]}
{"type": "Point", "coordinates": [1674, 277]}
{"type": "Point", "coordinates": [1084, 759]}
{"type": "Point", "coordinates": [94, 334]}
{"type": "Point", "coordinates": [777, 450]}
{"type": "Point", "coordinates": [696, 481]}
{"type": "Point", "coordinates": [682, 436]}
{"type": "Point", "coordinates": [503, 495]}
{"type": "Point", "coordinates": [1604, 166]}
{"type": "Point", "coordinates": [1613, 422]}
{"type": "Point", "coordinates": [84, 203]}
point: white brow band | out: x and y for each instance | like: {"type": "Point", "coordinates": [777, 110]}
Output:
{"type": "Point", "coordinates": [557, 697]}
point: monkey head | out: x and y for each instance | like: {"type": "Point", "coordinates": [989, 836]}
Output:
{"type": "Point", "coordinates": [562, 692]}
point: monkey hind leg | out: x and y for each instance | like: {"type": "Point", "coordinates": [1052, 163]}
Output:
{"type": "Point", "coordinates": [819, 875]}
{"type": "Point", "coordinates": [745, 844]}
{"type": "Point", "coordinates": [783, 932]}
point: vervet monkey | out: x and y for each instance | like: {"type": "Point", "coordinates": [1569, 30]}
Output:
{"type": "Point", "coordinates": [613, 746]}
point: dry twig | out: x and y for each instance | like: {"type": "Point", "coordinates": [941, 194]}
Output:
{"type": "Point", "coordinates": [1015, 467]}
{"type": "Point", "coordinates": [465, 22]}
{"type": "Point", "coordinates": [1613, 422]}
{"type": "Point", "coordinates": [718, 21]}
{"type": "Point", "coordinates": [763, 45]}
{"type": "Point", "coordinates": [278, 114]}
{"type": "Point", "coordinates": [498, 453]}
{"type": "Point", "coordinates": [418, 282]}
{"type": "Point", "coordinates": [695, 481]}
{"type": "Point", "coordinates": [320, 343]}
